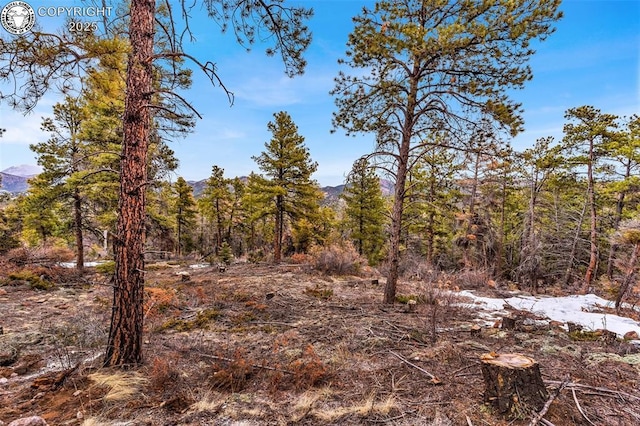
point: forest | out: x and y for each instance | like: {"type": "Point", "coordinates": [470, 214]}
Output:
{"type": "Point", "coordinates": [560, 213]}
{"type": "Point", "coordinates": [442, 203]}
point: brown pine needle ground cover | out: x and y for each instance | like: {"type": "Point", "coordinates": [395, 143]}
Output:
{"type": "Point", "coordinates": [281, 345]}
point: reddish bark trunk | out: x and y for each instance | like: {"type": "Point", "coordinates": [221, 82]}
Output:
{"type": "Point", "coordinates": [279, 229]}
{"type": "Point", "coordinates": [593, 257]}
{"type": "Point", "coordinates": [398, 199]}
{"type": "Point", "coordinates": [77, 211]}
{"type": "Point", "coordinates": [125, 335]}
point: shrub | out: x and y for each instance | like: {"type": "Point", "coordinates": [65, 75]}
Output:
{"type": "Point", "coordinates": [226, 255]}
{"type": "Point", "coordinates": [49, 254]}
{"type": "Point", "coordinates": [36, 281]}
{"type": "Point", "coordinates": [106, 267]}
{"type": "Point", "coordinates": [163, 375]}
{"type": "Point", "coordinates": [319, 292]}
{"type": "Point", "coordinates": [256, 256]}
{"type": "Point", "coordinates": [337, 259]}
{"type": "Point", "coordinates": [231, 374]}
{"type": "Point", "coordinates": [309, 370]}
{"type": "Point", "coordinates": [159, 299]}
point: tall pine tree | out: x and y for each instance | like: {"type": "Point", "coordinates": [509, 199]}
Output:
{"type": "Point", "coordinates": [365, 210]}
{"type": "Point", "coordinates": [288, 193]}
{"type": "Point", "coordinates": [422, 67]}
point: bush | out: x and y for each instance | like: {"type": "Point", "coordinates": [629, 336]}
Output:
{"type": "Point", "coordinates": [40, 255]}
{"type": "Point", "coordinates": [106, 267]}
{"type": "Point", "coordinates": [37, 282]}
{"type": "Point", "coordinates": [337, 259]}
{"type": "Point", "coordinates": [226, 255]}
{"type": "Point", "coordinates": [301, 258]}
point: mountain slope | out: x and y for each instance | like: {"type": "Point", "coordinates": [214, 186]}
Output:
{"type": "Point", "coordinates": [12, 183]}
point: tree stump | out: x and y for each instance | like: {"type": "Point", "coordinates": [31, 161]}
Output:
{"type": "Point", "coordinates": [508, 323]}
{"type": "Point", "coordinates": [513, 383]}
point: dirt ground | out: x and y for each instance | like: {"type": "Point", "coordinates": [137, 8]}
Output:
{"type": "Point", "coordinates": [282, 345]}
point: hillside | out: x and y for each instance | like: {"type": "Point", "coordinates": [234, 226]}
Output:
{"type": "Point", "coordinates": [13, 184]}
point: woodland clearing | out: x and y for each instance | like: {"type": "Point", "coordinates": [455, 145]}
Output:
{"type": "Point", "coordinates": [264, 344]}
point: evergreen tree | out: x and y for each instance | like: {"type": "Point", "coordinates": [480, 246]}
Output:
{"type": "Point", "coordinates": [365, 210]}
{"type": "Point", "coordinates": [430, 67]}
{"type": "Point", "coordinates": [63, 160]}
{"type": "Point", "coordinates": [185, 215]}
{"type": "Point", "coordinates": [256, 209]}
{"type": "Point", "coordinates": [432, 201]}
{"type": "Point", "coordinates": [586, 138]}
{"type": "Point", "coordinates": [625, 153]}
{"type": "Point", "coordinates": [287, 193]}
{"type": "Point", "coordinates": [37, 61]}
{"type": "Point", "coordinates": [215, 204]}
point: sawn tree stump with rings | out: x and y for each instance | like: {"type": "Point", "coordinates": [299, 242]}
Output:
{"type": "Point", "coordinates": [513, 383]}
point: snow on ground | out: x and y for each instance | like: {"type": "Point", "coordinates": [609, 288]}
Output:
{"type": "Point", "coordinates": [576, 308]}
{"type": "Point", "coordinates": [86, 264]}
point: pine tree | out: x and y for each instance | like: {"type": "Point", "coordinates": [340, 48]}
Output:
{"type": "Point", "coordinates": [432, 67]}
{"type": "Point", "coordinates": [432, 201]}
{"type": "Point", "coordinates": [184, 209]}
{"type": "Point", "coordinates": [63, 159]}
{"type": "Point", "coordinates": [287, 192]}
{"type": "Point", "coordinates": [365, 210]}
{"type": "Point", "coordinates": [215, 204]}
{"type": "Point", "coordinates": [37, 61]}
{"type": "Point", "coordinates": [625, 153]}
{"type": "Point", "coordinates": [586, 137]}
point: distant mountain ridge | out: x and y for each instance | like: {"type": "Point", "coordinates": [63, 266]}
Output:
{"type": "Point", "coordinates": [14, 179]}
{"type": "Point", "coordinates": [13, 184]}
{"type": "Point", "coordinates": [23, 170]}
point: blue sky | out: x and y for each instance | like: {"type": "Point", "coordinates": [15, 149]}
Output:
{"type": "Point", "coordinates": [593, 58]}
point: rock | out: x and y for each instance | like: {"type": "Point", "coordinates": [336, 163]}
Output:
{"type": "Point", "coordinates": [29, 421]}
{"type": "Point", "coordinates": [631, 335]}
{"type": "Point", "coordinates": [8, 355]}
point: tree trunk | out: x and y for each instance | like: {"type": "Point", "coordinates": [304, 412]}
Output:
{"type": "Point", "coordinates": [179, 226]}
{"type": "Point", "coordinates": [277, 244]}
{"type": "Point", "coordinates": [124, 345]}
{"type": "Point", "coordinates": [593, 236]}
{"type": "Point", "coordinates": [77, 212]}
{"type": "Point", "coordinates": [399, 192]}
{"type": "Point", "coordinates": [616, 223]}
{"type": "Point", "coordinates": [574, 246]}
{"type": "Point", "coordinates": [513, 384]}
{"type": "Point", "coordinates": [396, 229]}
{"type": "Point", "coordinates": [628, 279]}
{"type": "Point", "coordinates": [218, 226]}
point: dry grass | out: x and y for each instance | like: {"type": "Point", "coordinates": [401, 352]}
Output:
{"type": "Point", "coordinates": [209, 402]}
{"type": "Point", "coordinates": [121, 386]}
{"type": "Point", "coordinates": [361, 409]}
{"type": "Point", "coordinates": [274, 355]}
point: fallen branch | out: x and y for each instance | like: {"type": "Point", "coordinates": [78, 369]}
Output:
{"type": "Point", "coordinates": [221, 358]}
{"type": "Point", "coordinates": [547, 405]}
{"type": "Point", "coordinates": [434, 379]}
{"type": "Point", "coordinates": [264, 367]}
{"type": "Point", "coordinates": [604, 391]}
{"type": "Point", "coordinates": [584, 415]}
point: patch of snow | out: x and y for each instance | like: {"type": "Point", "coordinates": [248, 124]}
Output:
{"type": "Point", "coordinates": [199, 266]}
{"type": "Point", "coordinates": [86, 264]}
{"type": "Point", "coordinates": [575, 308]}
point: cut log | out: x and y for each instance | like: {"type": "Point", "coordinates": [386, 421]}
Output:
{"type": "Point", "coordinates": [513, 383]}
